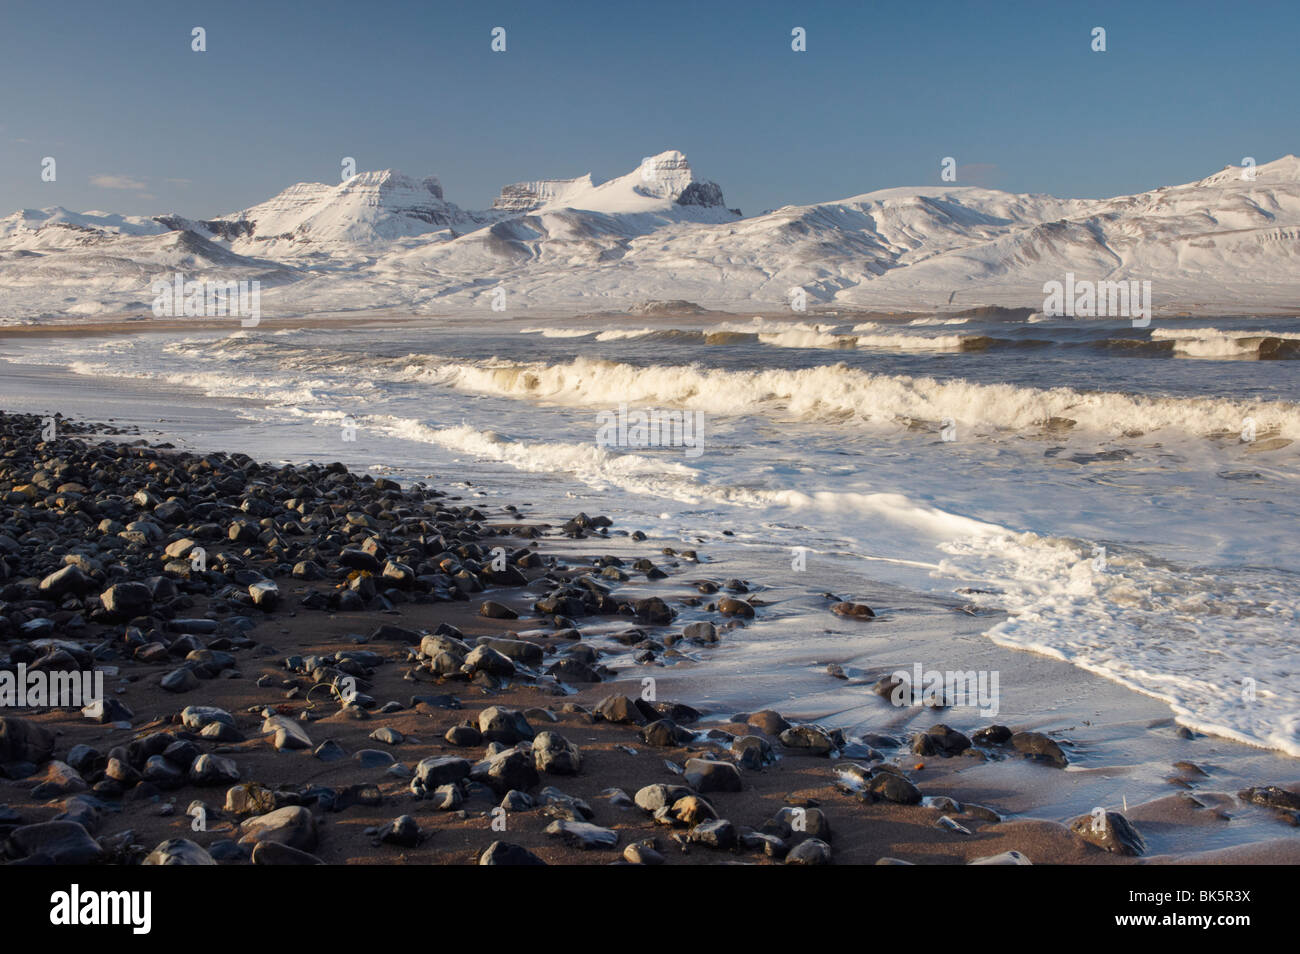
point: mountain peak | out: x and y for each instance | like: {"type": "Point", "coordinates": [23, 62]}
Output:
{"type": "Point", "coordinates": [660, 183]}
{"type": "Point", "coordinates": [1284, 169]}
{"type": "Point", "coordinates": [390, 179]}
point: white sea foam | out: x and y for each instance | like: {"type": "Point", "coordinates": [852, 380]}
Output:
{"type": "Point", "coordinates": [625, 334]}
{"type": "Point", "coordinates": [1215, 343]}
{"type": "Point", "coordinates": [558, 332]}
{"type": "Point", "coordinates": [839, 392]}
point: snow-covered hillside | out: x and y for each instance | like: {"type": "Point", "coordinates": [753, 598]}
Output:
{"type": "Point", "coordinates": [1225, 243]}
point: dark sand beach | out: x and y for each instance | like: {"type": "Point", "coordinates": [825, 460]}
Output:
{"type": "Point", "coordinates": [485, 716]}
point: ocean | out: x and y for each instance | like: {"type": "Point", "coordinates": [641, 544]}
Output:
{"type": "Point", "coordinates": [1121, 499]}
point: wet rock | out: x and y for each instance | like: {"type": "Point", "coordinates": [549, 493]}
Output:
{"type": "Point", "coordinates": [1005, 858]}
{"type": "Point", "coordinates": [702, 632]}
{"type": "Point", "coordinates": [665, 733]}
{"type": "Point", "coordinates": [889, 787]}
{"type": "Point", "coordinates": [810, 738]}
{"type": "Point", "coordinates": [853, 610]}
{"type": "Point", "coordinates": [940, 740]}
{"type": "Point", "coordinates": [752, 752]}
{"type": "Point", "coordinates": [620, 709]}
{"type": "Point", "coordinates": [179, 851]}
{"type": "Point", "coordinates": [1271, 796]}
{"type": "Point", "coordinates": [767, 721]}
{"type": "Point", "coordinates": [992, 735]}
{"type": "Point", "coordinates": [494, 610]}
{"type": "Point", "coordinates": [653, 610]}
{"type": "Point", "coordinates": [730, 606]}
{"type": "Point", "coordinates": [488, 660]}
{"type": "Point", "coordinates": [1109, 831]}
{"type": "Point", "coordinates": [516, 650]}
{"type": "Point", "coordinates": [1040, 748]}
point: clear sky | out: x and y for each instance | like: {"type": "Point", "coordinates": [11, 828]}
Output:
{"type": "Point", "coordinates": [139, 123]}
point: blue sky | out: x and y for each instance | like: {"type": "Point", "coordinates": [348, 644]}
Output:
{"type": "Point", "coordinates": [139, 123]}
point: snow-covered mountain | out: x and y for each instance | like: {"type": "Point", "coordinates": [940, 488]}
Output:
{"type": "Point", "coordinates": [1228, 243]}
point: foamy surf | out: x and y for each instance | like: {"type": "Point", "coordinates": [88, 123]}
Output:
{"type": "Point", "coordinates": [834, 392]}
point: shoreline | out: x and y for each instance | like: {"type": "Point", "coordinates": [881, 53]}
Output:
{"type": "Point", "coordinates": [803, 777]}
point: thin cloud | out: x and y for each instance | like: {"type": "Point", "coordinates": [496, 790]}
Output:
{"type": "Point", "coordinates": [118, 182]}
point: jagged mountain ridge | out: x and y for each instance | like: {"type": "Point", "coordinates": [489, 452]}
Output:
{"type": "Point", "coordinates": [382, 239]}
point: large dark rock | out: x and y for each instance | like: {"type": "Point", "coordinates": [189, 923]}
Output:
{"type": "Point", "coordinates": [1109, 831]}
{"type": "Point", "coordinates": [498, 724]}
{"type": "Point", "coordinates": [63, 842]}
{"type": "Point", "coordinates": [940, 740]}
{"type": "Point", "coordinates": [620, 709]}
{"type": "Point", "coordinates": [1040, 748]}
{"type": "Point", "coordinates": [24, 741]}
{"type": "Point", "coordinates": [292, 825]}
{"type": "Point", "coordinates": [508, 770]}
{"type": "Point", "coordinates": [556, 755]}
{"type": "Point", "coordinates": [582, 834]}
{"type": "Point", "coordinates": [707, 776]}
{"type": "Point", "coordinates": [179, 851]}
{"type": "Point", "coordinates": [505, 853]}
{"type": "Point", "coordinates": [124, 601]}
